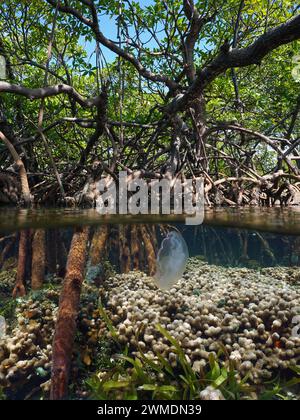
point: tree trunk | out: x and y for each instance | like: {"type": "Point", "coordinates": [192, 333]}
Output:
{"type": "Point", "coordinates": [19, 289]}
{"type": "Point", "coordinates": [199, 126]}
{"type": "Point", "coordinates": [38, 259]}
{"type": "Point", "coordinates": [22, 171]}
{"type": "Point", "coordinates": [68, 309]}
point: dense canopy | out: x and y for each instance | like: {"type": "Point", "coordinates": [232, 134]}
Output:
{"type": "Point", "coordinates": [207, 88]}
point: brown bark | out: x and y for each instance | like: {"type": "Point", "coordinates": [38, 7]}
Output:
{"type": "Point", "coordinates": [38, 259]}
{"type": "Point", "coordinates": [124, 252]}
{"type": "Point", "coordinates": [21, 168]}
{"type": "Point", "coordinates": [237, 57]}
{"type": "Point", "coordinates": [19, 289]}
{"type": "Point", "coordinates": [134, 244]}
{"type": "Point", "coordinates": [150, 253]}
{"type": "Point", "coordinates": [98, 244]}
{"type": "Point", "coordinates": [152, 232]}
{"type": "Point", "coordinates": [68, 308]}
{"type": "Point", "coordinates": [49, 91]}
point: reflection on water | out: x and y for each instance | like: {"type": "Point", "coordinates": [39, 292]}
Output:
{"type": "Point", "coordinates": [136, 247]}
{"type": "Point", "coordinates": [236, 237]}
{"type": "Point", "coordinates": [276, 220]}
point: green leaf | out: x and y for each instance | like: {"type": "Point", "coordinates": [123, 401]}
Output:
{"type": "Point", "coordinates": [115, 385]}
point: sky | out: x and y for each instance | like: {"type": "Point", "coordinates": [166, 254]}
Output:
{"type": "Point", "coordinates": [109, 29]}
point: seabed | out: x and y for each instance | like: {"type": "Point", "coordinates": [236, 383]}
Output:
{"type": "Point", "coordinates": [230, 329]}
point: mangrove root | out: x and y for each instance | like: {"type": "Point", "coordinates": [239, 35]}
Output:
{"type": "Point", "coordinates": [68, 309]}
{"type": "Point", "coordinates": [19, 289]}
{"type": "Point", "coordinates": [38, 259]}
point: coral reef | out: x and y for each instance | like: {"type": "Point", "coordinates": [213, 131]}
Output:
{"type": "Point", "coordinates": [246, 313]}
{"type": "Point", "coordinates": [26, 350]}
{"type": "Point", "coordinates": [211, 393]}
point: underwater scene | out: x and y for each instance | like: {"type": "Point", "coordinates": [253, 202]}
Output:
{"type": "Point", "coordinates": [155, 310]}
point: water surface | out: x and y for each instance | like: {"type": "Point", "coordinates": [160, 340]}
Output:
{"type": "Point", "coordinates": [275, 220]}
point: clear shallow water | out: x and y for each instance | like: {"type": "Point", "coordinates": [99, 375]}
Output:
{"type": "Point", "coordinates": [249, 237]}
{"type": "Point", "coordinates": [239, 259]}
{"type": "Point", "coordinates": [231, 237]}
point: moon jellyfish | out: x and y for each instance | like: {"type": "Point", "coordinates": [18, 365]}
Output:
{"type": "Point", "coordinates": [171, 260]}
{"type": "Point", "coordinates": [2, 326]}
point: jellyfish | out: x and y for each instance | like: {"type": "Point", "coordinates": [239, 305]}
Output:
{"type": "Point", "coordinates": [171, 260]}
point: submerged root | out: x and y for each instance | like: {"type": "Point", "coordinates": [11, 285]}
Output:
{"type": "Point", "coordinates": [38, 259]}
{"type": "Point", "coordinates": [124, 250]}
{"type": "Point", "coordinates": [149, 249]}
{"type": "Point", "coordinates": [98, 245]}
{"type": "Point", "coordinates": [135, 248]}
{"type": "Point", "coordinates": [68, 310]}
{"type": "Point", "coordinates": [19, 289]}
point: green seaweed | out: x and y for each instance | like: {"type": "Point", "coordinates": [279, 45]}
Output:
{"type": "Point", "coordinates": [142, 378]}
{"type": "Point", "coordinates": [132, 378]}
{"type": "Point", "coordinates": [8, 307]}
{"type": "Point", "coordinates": [108, 322]}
